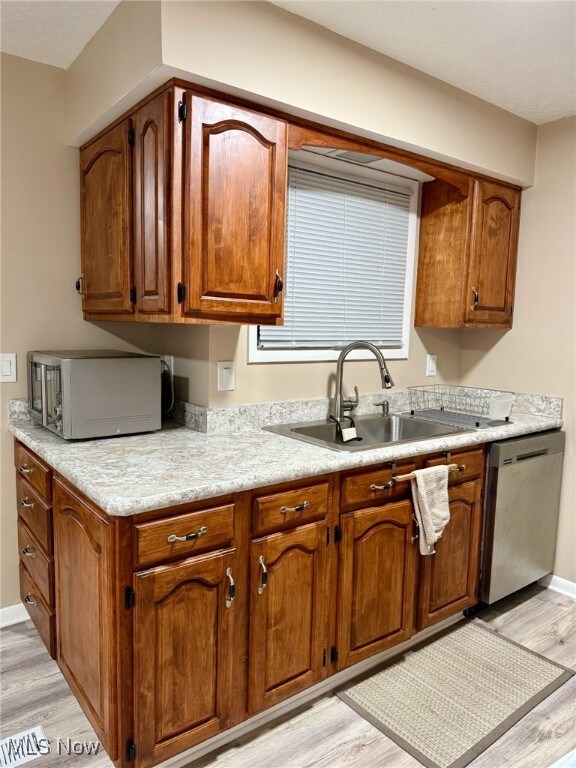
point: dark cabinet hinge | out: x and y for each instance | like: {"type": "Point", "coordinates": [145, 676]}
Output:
{"type": "Point", "coordinates": [129, 598]}
{"type": "Point", "coordinates": [334, 654]}
{"type": "Point", "coordinates": [182, 111]}
{"type": "Point", "coordinates": [181, 292]}
{"type": "Point", "coordinates": [337, 534]}
{"type": "Point", "coordinates": [133, 295]}
{"type": "Point", "coordinates": [324, 657]}
{"type": "Point", "coordinates": [130, 751]}
{"type": "Point", "coordinates": [131, 137]}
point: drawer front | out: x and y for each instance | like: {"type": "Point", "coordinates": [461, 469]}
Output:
{"type": "Point", "coordinates": [208, 529]}
{"type": "Point", "coordinates": [36, 562]}
{"type": "Point", "coordinates": [40, 613]}
{"type": "Point", "coordinates": [33, 469]}
{"type": "Point", "coordinates": [470, 463]}
{"type": "Point", "coordinates": [35, 512]}
{"type": "Point", "coordinates": [279, 511]}
{"type": "Point", "coordinates": [377, 486]}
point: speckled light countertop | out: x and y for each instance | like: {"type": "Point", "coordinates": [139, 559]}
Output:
{"type": "Point", "coordinates": [127, 475]}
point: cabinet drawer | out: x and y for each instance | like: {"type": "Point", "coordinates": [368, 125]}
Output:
{"type": "Point", "coordinates": [208, 529]}
{"type": "Point", "coordinates": [470, 463]}
{"type": "Point", "coordinates": [37, 563]}
{"type": "Point", "coordinates": [377, 485]}
{"type": "Point", "coordinates": [33, 469]}
{"type": "Point", "coordinates": [40, 613]}
{"type": "Point", "coordinates": [286, 509]}
{"type": "Point", "coordinates": [35, 512]}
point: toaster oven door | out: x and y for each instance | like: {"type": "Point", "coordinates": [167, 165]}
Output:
{"type": "Point", "coordinates": [45, 395]}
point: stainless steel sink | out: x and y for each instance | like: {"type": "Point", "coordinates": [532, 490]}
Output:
{"type": "Point", "coordinates": [373, 432]}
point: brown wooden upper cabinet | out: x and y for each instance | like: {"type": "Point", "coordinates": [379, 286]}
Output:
{"type": "Point", "coordinates": [183, 214]}
{"type": "Point", "coordinates": [467, 262]}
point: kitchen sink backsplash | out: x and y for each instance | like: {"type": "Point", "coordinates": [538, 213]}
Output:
{"type": "Point", "coordinates": [238, 418]}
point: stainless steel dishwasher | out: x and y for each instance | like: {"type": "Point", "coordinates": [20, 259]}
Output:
{"type": "Point", "coordinates": [521, 514]}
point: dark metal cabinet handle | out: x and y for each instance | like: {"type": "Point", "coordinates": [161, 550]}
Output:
{"type": "Point", "coordinates": [385, 487]}
{"type": "Point", "coordinates": [26, 470]}
{"type": "Point", "coordinates": [28, 599]}
{"type": "Point", "coordinates": [264, 575]}
{"type": "Point", "coordinates": [278, 287]}
{"type": "Point", "coordinates": [297, 508]}
{"type": "Point", "coordinates": [26, 503]}
{"type": "Point", "coordinates": [231, 588]}
{"type": "Point", "coordinates": [475, 298]}
{"type": "Point", "coordinates": [189, 536]}
{"type": "Point", "coordinates": [27, 552]}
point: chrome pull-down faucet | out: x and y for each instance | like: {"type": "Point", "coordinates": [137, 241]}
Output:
{"type": "Point", "coordinates": [342, 405]}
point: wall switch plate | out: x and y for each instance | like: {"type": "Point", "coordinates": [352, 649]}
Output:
{"type": "Point", "coordinates": [431, 365]}
{"type": "Point", "coordinates": [8, 367]}
{"type": "Point", "coordinates": [226, 376]}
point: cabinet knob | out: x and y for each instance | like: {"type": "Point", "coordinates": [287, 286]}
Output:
{"type": "Point", "coordinates": [297, 508]}
{"type": "Point", "coordinates": [231, 588]}
{"type": "Point", "coordinates": [278, 287]}
{"type": "Point", "coordinates": [263, 575]}
{"type": "Point", "coordinates": [29, 599]}
{"type": "Point", "coordinates": [189, 536]}
{"type": "Point", "coordinates": [475, 298]}
{"type": "Point", "coordinates": [27, 552]}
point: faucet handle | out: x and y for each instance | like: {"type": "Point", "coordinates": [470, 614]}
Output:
{"type": "Point", "coordinates": [385, 405]}
{"type": "Point", "coordinates": [350, 405]}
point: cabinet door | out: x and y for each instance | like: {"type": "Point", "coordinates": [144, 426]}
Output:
{"type": "Point", "coordinates": [494, 242]}
{"type": "Point", "coordinates": [86, 624]}
{"type": "Point", "coordinates": [288, 604]}
{"type": "Point", "coordinates": [106, 209]}
{"type": "Point", "coordinates": [234, 211]}
{"type": "Point", "coordinates": [376, 581]}
{"type": "Point", "coordinates": [449, 578]}
{"type": "Point", "coordinates": [152, 179]}
{"type": "Point", "coordinates": [183, 654]}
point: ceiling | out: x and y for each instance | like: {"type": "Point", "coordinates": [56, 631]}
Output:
{"type": "Point", "coordinates": [517, 54]}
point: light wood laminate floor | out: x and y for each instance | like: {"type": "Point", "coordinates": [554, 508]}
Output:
{"type": "Point", "coordinates": [326, 733]}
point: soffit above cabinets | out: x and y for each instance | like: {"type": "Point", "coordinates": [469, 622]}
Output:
{"type": "Point", "coordinates": [365, 160]}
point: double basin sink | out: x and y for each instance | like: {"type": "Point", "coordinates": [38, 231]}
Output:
{"type": "Point", "coordinates": [372, 432]}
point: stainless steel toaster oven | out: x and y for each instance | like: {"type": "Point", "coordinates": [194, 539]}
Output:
{"type": "Point", "coordinates": [94, 393]}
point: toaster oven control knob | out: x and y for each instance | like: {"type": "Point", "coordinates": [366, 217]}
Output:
{"type": "Point", "coordinates": [58, 411]}
{"type": "Point", "coordinates": [59, 425]}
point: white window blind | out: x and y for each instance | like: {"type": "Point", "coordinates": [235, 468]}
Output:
{"type": "Point", "coordinates": [346, 263]}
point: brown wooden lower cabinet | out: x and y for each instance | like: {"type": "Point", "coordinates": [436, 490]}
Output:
{"type": "Point", "coordinates": [376, 581]}
{"type": "Point", "coordinates": [288, 610]}
{"type": "Point", "coordinates": [449, 579]}
{"type": "Point", "coordinates": [168, 641]}
{"type": "Point", "coordinates": [183, 653]}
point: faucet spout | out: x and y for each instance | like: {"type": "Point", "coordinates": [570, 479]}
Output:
{"type": "Point", "coordinates": [340, 405]}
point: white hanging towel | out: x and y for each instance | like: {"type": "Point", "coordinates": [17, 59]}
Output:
{"type": "Point", "coordinates": [430, 497]}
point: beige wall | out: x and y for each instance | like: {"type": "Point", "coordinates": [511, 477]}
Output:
{"type": "Point", "coordinates": [263, 52]}
{"type": "Point", "coordinates": [40, 253]}
{"type": "Point", "coordinates": [539, 354]}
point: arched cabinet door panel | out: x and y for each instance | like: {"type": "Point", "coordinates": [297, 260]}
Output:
{"type": "Point", "coordinates": [449, 578]}
{"type": "Point", "coordinates": [183, 653]}
{"type": "Point", "coordinates": [493, 248]}
{"type": "Point", "coordinates": [288, 604]}
{"type": "Point", "coordinates": [233, 211]}
{"type": "Point", "coordinates": [376, 581]}
{"type": "Point", "coordinates": [106, 210]}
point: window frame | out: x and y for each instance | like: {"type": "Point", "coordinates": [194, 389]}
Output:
{"type": "Point", "coordinates": [339, 169]}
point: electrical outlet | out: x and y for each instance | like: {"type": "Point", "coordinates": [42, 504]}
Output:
{"type": "Point", "coordinates": [226, 376]}
{"type": "Point", "coordinates": [431, 365]}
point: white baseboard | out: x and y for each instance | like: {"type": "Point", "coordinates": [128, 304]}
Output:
{"type": "Point", "coordinates": [13, 614]}
{"type": "Point", "coordinates": [563, 586]}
